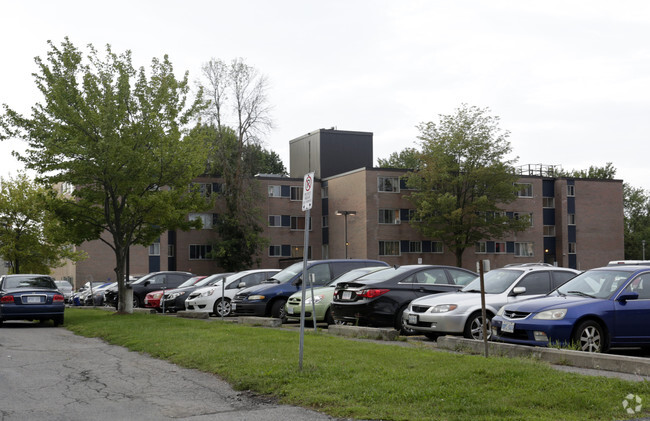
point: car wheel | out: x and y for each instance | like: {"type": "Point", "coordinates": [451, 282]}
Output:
{"type": "Point", "coordinates": [401, 325]}
{"type": "Point", "coordinates": [328, 317]}
{"type": "Point", "coordinates": [222, 307]}
{"type": "Point", "coordinates": [590, 337]}
{"type": "Point", "coordinates": [278, 311]}
{"type": "Point", "coordinates": [136, 302]}
{"type": "Point", "coordinates": [57, 320]}
{"type": "Point", "coordinates": [474, 326]}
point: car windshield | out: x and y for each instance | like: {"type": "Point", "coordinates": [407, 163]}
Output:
{"type": "Point", "coordinates": [285, 275]}
{"type": "Point", "coordinates": [495, 281]}
{"type": "Point", "coordinates": [595, 283]}
{"type": "Point", "coordinates": [63, 284]}
{"type": "Point", "coordinates": [29, 282]}
{"type": "Point", "coordinates": [355, 273]}
{"type": "Point", "coordinates": [189, 282]}
{"type": "Point", "coordinates": [212, 279]}
{"type": "Point", "coordinates": [384, 275]}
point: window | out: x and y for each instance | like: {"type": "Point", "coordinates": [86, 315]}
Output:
{"type": "Point", "coordinates": [388, 184]}
{"type": "Point", "coordinates": [522, 215]}
{"type": "Point", "coordinates": [413, 216]}
{"type": "Point", "coordinates": [436, 247]}
{"type": "Point", "coordinates": [324, 192]}
{"type": "Point", "coordinates": [536, 283]}
{"type": "Point", "coordinates": [296, 193]}
{"type": "Point", "coordinates": [297, 251]}
{"type": "Point", "coordinates": [275, 220]}
{"type": "Point", "coordinates": [207, 219]}
{"type": "Point", "coordinates": [154, 249]}
{"type": "Point", "coordinates": [524, 189]}
{"type": "Point", "coordinates": [171, 251]}
{"type": "Point", "coordinates": [480, 247]}
{"type": "Point", "coordinates": [571, 218]}
{"type": "Point", "coordinates": [326, 221]}
{"type": "Point", "coordinates": [389, 248]}
{"type": "Point", "coordinates": [279, 191]}
{"type": "Point", "coordinates": [388, 216]}
{"type": "Point", "coordinates": [200, 251]}
{"type": "Point", "coordinates": [499, 247]}
{"type": "Point", "coordinates": [280, 251]}
{"type": "Point", "coordinates": [570, 190]}
{"type": "Point", "coordinates": [524, 249]}
{"type": "Point", "coordinates": [415, 246]}
{"type": "Point", "coordinates": [298, 223]}
{"type": "Point", "coordinates": [548, 202]}
{"type": "Point", "coordinates": [204, 188]}
{"type": "Point", "coordinates": [572, 248]}
{"type": "Point", "coordinates": [549, 230]}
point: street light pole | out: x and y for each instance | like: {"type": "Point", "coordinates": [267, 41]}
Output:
{"type": "Point", "coordinates": [345, 213]}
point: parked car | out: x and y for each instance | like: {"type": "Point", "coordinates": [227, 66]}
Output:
{"type": "Point", "coordinates": [154, 299]}
{"type": "Point", "coordinates": [459, 313]}
{"type": "Point", "coordinates": [66, 289]}
{"type": "Point", "coordinates": [79, 297]}
{"type": "Point", "coordinates": [379, 299]}
{"type": "Point", "coordinates": [30, 297]}
{"type": "Point", "coordinates": [599, 309]}
{"type": "Point", "coordinates": [269, 298]}
{"type": "Point", "coordinates": [150, 282]}
{"type": "Point", "coordinates": [322, 297]}
{"type": "Point", "coordinates": [96, 296]}
{"type": "Point", "coordinates": [174, 299]}
{"type": "Point", "coordinates": [209, 299]}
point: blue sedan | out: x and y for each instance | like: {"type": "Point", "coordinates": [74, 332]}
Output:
{"type": "Point", "coordinates": [30, 297]}
{"type": "Point", "coordinates": [597, 310]}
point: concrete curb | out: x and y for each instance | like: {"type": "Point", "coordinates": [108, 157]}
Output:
{"type": "Point", "coordinates": [617, 363]}
{"type": "Point", "coordinates": [192, 314]}
{"type": "Point", "coordinates": [383, 334]}
{"type": "Point", "coordinates": [259, 321]}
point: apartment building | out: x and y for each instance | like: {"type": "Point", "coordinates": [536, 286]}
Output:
{"type": "Point", "coordinates": [364, 212]}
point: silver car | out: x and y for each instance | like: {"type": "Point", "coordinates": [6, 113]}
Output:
{"type": "Point", "coordinates": [459, 313]}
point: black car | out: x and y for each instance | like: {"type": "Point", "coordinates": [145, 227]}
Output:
{"type": "Point", "coordinates": [30, 297]}
{"type": "Point", "coordinates": [379, 299]}
{"type": "Point", "coordinates": [174, 299]}
{"type": "Point", "coordinates": [154, 281]}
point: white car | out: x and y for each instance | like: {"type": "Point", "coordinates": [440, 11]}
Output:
{"type": "Point", "coordinates": [209, 299]}
{"type": "Point", "coordinates": [459, 313]}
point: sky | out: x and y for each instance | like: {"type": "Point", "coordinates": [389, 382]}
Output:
{"type": "Point", "coordinates": [570, 80]}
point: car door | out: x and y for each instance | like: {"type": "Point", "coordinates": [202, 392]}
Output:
{"type": "Point", "coordinates": [431, 281]}
{"type": "Point", "coordinates": [632, 317]}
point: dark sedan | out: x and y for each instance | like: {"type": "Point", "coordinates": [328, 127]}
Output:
{"type": "Point", "coordinates": [152, 282]}
{"type": "Point", "coordinates": [30, 297]}
{"type": "Point", "coordinates": [379, 299]}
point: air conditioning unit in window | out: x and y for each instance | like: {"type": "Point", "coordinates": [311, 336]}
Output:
{"type": "Point", "coordinates": [397, 221]}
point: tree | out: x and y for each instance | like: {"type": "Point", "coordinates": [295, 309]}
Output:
{"type": "Point", "coordinates": [636, 205]}
{"type": "Point", "coordinates": [30, 239]}
{"type": "Point", "coordinates": [608, 172]}
{"type": "Point", "coordinates": [408, 159]}
{"type": "Point", "coordinates": [239, 115]}
{"type": "Point", "coordinates": [116, 135]}
{"type": "Point", "coordinates": [464, 179]}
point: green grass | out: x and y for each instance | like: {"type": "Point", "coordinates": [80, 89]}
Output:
{"type": "Point", "coordinates": [357, 379]}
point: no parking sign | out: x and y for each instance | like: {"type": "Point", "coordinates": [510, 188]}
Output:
{"type": "Point", "coordinates": [308, 191]}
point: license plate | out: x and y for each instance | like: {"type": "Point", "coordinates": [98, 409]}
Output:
{"type": "Point", "coordinates": [508, 327]}
{"type": "Point", "coordinates": [290, 310]}
{"type": "Point", "coordinates": [413, 319]}
{"type": "Point", "coordinates": [33, 300]}
{"type": "Point", "coordinates": [233, 306]}
{"type": "Point", "coordinates": [346, 295]}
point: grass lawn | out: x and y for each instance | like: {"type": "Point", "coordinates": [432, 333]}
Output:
{"type": "Point", "coordinates": [358, 379]}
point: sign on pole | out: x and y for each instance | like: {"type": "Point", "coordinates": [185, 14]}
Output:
{"type": "Point", "coordinates": [308, 191]}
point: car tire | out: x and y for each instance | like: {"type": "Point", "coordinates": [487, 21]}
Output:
{"type": "Point", "coordinates": [474, 326]}
{"type": "Point", "coordinates": [590, 337]}
{"type": "Point", "coordinates": [329, 319]}
{"type": "Point", "coordinates": [400, 324]}
{"type": "Point", "coordinates": [277, 310]}
{"type": "Point", "coordinates": [57, 321]}
{"type": "Point", "coordinates": [136, 302]}
{"type": "Point", "coordinates": [226, 308]}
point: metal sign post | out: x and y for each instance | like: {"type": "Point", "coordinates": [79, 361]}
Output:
{"type": "Point", "coordinates": [307, 201]}
{"type": "Point", "coordinates": [483, 312]}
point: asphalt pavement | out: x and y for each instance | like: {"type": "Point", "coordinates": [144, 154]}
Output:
{"type": "Point", "coordinates": [49, 373]}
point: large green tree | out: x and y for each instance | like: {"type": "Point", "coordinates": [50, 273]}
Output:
{"type": "Point", "coordinates": [31, 240]}
{"type": "Point", "coordinates": [117, 135]}
{"type": "Point", "coordinates": [636, 204]}
{"type": "Point", "coordinates": [408, 159]}
{"type": "Point", "coordinates": [464, 180]}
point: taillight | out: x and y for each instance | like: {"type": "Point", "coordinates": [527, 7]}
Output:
{"type": "Point", "coordinates": [7, 299]}
{"type": "Point", "coordinates": [372, 293]}
{"type": "Point", "coordinates": [57, 298]}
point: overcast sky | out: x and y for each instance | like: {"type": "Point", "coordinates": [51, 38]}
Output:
{"type": "Point", "coordinates": [569, 79]}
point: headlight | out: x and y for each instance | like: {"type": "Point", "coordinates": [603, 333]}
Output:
{"type": "Point", "coordinates": [501, 311]}
{"type": "Point", "coordinates": [443, 308]}
{"type": "Point", "coordinates": [555, 314]}
{"type": "Point", "coordinates": [255, 297]}
{"type": "Point", "coordinates": [207, 293]}
{"type": "Point", "coordinates": [156, 296]}
{"type": "Point", "coordinates": [317, 299]}
{"type": "Point", "coordinates": [174, 295]}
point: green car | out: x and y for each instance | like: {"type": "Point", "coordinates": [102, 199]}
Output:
{"type": "Point", "coordinates": [322, 297]}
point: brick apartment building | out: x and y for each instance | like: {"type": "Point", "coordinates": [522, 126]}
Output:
{"type": "Point", "coordinates": [575, 223]}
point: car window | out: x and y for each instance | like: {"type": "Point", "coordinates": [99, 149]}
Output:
{"type": "Point", "coordinates": [29, 282]}
{"type": "Point", "coordinates": [640, 285]}
{"type": "Point", "coordinates": [536, 283]}
{"type": "Point", "coordinates": [461, 277]}
{"type": "Point", "coordinates": [157, 279]}
{"type": "Point", "coordinates": [560, 277]}
{"type": "Point", "coordinates": [431, 276]}
{"type": "Point", "coordinates": [321, 274]}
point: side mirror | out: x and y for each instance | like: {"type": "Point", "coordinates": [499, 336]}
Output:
{"type": "Point", "coordinates": [627, 296]}
{"type": "Point", "coordinates": [518, 290]}
{"type": "Point", "coordinates": [242, 284]}
{"type": "Point", "coordinates": [146, 283]}
{"type": "Point", "coordinates": [297, 282]}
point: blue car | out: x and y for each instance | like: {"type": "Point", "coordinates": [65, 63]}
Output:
{"type": "Point", "coordinates": [30, 297]}
{"type": "Point", "coordinates": [599, 309]}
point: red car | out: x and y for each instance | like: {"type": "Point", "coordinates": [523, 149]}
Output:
{"type": "Point", "coordinates": [152, 299]}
